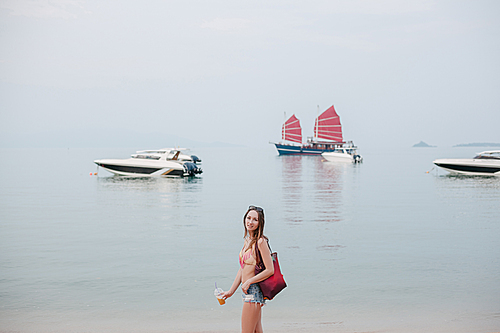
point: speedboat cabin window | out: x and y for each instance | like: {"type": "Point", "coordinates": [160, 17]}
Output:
{"type": "Point", "coordinates": [488, 156]}
{"type": "Point", "coordinates": [147, 157]}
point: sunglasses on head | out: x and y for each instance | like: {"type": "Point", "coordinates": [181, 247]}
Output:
{"type": "Point", "coordinates": [255, 208]}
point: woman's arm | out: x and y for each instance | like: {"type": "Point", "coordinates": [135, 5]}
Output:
{"type": "Point", "coordinates": [268, 262]}
{"type": "Point", "coordinates": [235, 285]}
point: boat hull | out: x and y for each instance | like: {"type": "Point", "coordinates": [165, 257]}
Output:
{"type": "Point", "coordinates": [284, 149]}
{"type": "Point", "coordinates": [148, 168]}
{"type": "Point", "coordinates": [476, 167]}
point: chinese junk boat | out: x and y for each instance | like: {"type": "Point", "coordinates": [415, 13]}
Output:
{"type": "Point", "coordinates": [326, 127]}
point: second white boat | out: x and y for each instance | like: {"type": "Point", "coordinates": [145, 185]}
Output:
{"type": "Point", "coordinates": [343, 154]}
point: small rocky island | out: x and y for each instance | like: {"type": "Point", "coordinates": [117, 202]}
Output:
{"type": "Point", "coordinates": [423, 145]}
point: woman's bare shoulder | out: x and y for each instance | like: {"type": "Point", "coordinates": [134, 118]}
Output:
{"type": "Point", "coordinates": [262, 240]}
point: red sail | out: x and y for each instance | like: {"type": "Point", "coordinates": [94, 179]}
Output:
{"type": "Point", "coordinates": [327, 126]}
{"type": "Point", "coordinates": [291, 130]}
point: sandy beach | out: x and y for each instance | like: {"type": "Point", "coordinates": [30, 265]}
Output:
{"type": "Point", "coordinates": [219, 320]}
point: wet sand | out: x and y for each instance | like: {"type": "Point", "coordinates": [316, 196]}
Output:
{"type": "Point", "coordinates": [226, 321]}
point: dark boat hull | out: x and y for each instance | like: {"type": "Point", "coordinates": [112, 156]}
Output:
{"type": "Point", "coordinates": [308, 149]}
{"type": "Point", "coordinates": [149, 168]}
{"type": "Point", "coordinates": [469, 168]}
{"type": "Point", "coordinates": [138, 171]}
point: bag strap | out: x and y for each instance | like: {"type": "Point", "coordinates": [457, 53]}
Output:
{"type": "Point", "coordinates": [261, 262]}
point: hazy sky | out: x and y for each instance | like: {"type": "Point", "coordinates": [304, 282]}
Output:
{"type": "Point", "coordinates": [396, 71]}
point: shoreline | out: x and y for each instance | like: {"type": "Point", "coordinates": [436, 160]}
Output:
{"type": "Point", "coordinates": [225, 321]}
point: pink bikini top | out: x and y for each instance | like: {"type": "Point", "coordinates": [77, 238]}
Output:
{"type": "Point", "coordinates": [247, 258]}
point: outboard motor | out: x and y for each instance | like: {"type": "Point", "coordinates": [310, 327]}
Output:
{"type": "Point", "coordinates": [191, 169]}
{"type": "Point", "coordinates": [196, 159]}
{"type": "Point", "coordinates": [358, 159]}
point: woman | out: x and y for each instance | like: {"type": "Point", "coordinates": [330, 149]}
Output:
{"type": "Point", "coordinates": [253, 221]}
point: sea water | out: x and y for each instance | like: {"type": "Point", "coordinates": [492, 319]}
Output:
{"type": "Point", "coordinates": [379, 246]}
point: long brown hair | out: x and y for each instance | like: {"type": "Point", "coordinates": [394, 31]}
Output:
{"type": "Point", "coordinates": [259, 232]}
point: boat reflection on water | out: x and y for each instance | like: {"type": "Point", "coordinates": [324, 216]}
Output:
{"type": "Point", "coordinates": [292, 187]}
{"type": "Point", "coordinates": [461, 185]}
{"type": "Point", "coordinates": [312, 205]}
{"type": "Point", "coordinates": [312, 189]}
{"type": "Point", "coordinates": [161, 196]}
{"type": "Point", "coordinates": [150, 184]}
{"type": "Point", "coordinates": [329, 179]}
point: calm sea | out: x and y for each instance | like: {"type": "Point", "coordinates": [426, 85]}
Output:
{"type": "Point", "coordinates": [380, 246]}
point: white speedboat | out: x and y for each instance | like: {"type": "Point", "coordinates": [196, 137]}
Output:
{"type": "Point", "coordinates": [149, 163]}
{"type": "Point", "coordinates": [343, 154]}
{"type": "Point", "coordinates": [485, 163]}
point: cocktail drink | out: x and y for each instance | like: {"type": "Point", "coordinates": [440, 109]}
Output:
{"type": "Point", "coordinates": [218, 293]}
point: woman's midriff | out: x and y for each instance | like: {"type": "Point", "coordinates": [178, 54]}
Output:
{"type": "Point", "coordinates": [247, 272]}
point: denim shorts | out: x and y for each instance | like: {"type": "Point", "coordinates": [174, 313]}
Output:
{"type": "Point", "coordinates": [254, 295]}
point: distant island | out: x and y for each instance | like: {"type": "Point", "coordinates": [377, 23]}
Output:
{"type": "Point", "coordinates": [478, 144]}
{"type": "Point", "coordinates": [423, 144]}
